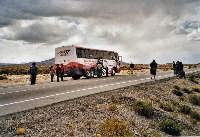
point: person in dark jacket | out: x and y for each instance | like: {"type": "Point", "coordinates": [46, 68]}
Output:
{"type": "Point", "coordinates": [58, 71]}
{"type": "Point", "coordinates": [178, 68]}
{"type": "Point", "coordinates": [174, 67]}
{"type": "Point", "coordinates": [52, 72]}
{"type": "Point", "coordinates": [131, 67]}
{"type": "Point", "coordinates": [153, 67]}
{"type": "Point", "coordinates": [62, 72]}
{"type": "Point", "coordinates": [33, 73]}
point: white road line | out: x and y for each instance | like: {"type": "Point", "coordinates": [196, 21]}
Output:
{"type": "Point", "coordinates": [9, 92]}
{"type": "Point", "coordinates": [135, 80]}
{"type": "Point", "coordinates": [58, 94]}
{"type": "Point", "coordinates": [95, 87]}
{"type": "Point", "coordinates": [74, 91]}
{"type": "Point", "coordinates": [89, 88]}
{"type": "Point", "coordinates": [47, 96]}
{"type": "Point", "coordinates": [83, 89]}
{"type": "Point", "coordinates": [141, 79]}
{"type": "Point", "coordinates": [106, 85]}
{"type": "Point", "coordinates": [67, 92]}
{"type": "Point", "coordinates": [62, 93]}
{"type": "Point", "coordinates": [117, 83]}
{"type": "Point", "coordinates": [123, 82]}
{"type": "Point", "coordinates": [148, 78]}
{"type": "Point", "coordinates": [16, 91]}
{"type": "Point", "coordinates": [165, 75]}
{"type": "Point", "coordinates": [129, 81]}
{"type": "Point", "coordinates": [112, 84]}
{"type": "Point", "coordinates": [159, 76]}
{"type": "Point", "coordinates": [100, 86]}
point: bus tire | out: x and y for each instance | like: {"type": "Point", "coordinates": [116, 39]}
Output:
{"type": "Point", "coordinates": [113, 72]}
{"type": "Point", "coordinates": [75, 77]}
{"type": "Point", "coordinates": [87, 73]}
{"type": "Point", "coordinates": [92, 73]}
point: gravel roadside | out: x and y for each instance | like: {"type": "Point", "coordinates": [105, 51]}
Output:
{"type": "Point", "coordinates": [82, 117]}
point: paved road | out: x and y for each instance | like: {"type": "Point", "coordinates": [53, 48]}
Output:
{"type": "Point", "coordinates": [19, 98]}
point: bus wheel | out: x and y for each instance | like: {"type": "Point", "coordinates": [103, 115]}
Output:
{"type": "Point", "coordinates": [91, 73]}
{"type": "Point", "coordinates": [113, 72]}
{"type": "Point", "coordinates": [87, 73]}
{"type": "Point", "coordinates": [75, 77]}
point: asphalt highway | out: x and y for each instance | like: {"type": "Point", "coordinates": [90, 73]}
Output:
{"type": "Point", "coordinates": [19, 98]}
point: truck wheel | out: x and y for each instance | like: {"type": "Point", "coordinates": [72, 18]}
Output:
{"type": "Point", "coordinates": [87, 73]}
{"type": "Point", "coordinates": [113, 72]}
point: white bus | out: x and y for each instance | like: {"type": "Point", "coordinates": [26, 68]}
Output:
{"type": "Point", "coordinates": [79, 61]}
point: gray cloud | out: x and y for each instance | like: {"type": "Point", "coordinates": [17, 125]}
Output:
{"type": "Point", "coordinates": [136, 27]}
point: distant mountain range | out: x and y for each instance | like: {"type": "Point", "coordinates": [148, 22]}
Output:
{"type": "Point", "coordinates": [48, 62]}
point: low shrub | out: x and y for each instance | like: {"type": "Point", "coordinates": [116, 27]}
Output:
{"type": "Point", "coordinates": [186, 90]}
{"type": "Point", "coordinates": [166, 107]}
{"type": "Point", "coordinates": [194, 99]}
{"type": "Point", "coordinates": [114, 127]}
{"type": "Point", "coordinates": [170, 127]}
{"type": "Point", "coordinates": [177, 92]}
{"type": "Point", "coordinates": [185, 109]}
{"type": "Point", "coordinates": [143, 108]}
{"type": "Point", "coordinates": [176, 87]}
{"type": "Point", "coordinates": [196, 89]}
{"type": "Point", "coordinates": [3, 77]}
{"type": "Point", "coordinates": [195, 115]}
{"type": "Point", "coordinates": [112, 107]}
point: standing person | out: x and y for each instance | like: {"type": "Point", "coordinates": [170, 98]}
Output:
{"type": "Point", "coordinates": [33, 73]}
{"type": "Point", "coordinates": [62, 72]}
{"type": "Point", "coordinates": [58, 70]}
{"type": "Point", "coordinates": [153, 68]}
{"type": "Point", "coordinates": [178, 69]}
{"type": "Point", "coordinates": [174, 68]}
{"type": "Point", "coordinates": [131, 67]}
{"type": "Point", "coordinates": [52, 72]}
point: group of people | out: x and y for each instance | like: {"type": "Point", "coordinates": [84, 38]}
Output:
{"type": "Point", "coordinates": [178, 69]}
{"type": "Point", "coordinates": [153, 67]}
{"type": "Point", "coordinates": [58, 71]}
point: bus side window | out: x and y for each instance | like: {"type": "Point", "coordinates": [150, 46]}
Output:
{"type": "Point", "coordinates": [106, 55]}
{"type": "Point", "coordinates": [78, 54]}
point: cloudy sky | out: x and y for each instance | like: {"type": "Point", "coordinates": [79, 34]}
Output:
{"type": "Point", "coordinates": [139, 30]}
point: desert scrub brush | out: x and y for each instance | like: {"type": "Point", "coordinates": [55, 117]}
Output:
{"type": "Point", "coordinates": [143, 108]}
{"type": "Point", "coordinates": [114, 127]}
{"type": "Point", "coordinates": [170, 127]}
{"type": "Point", "coordinates": [166, 107]}
{"type": "Point", "coordinates": [20, 130]}
{"type": "Point", "coordinates": [112, 107]}
{"type": "Point", "coordinates": [194, 99]}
